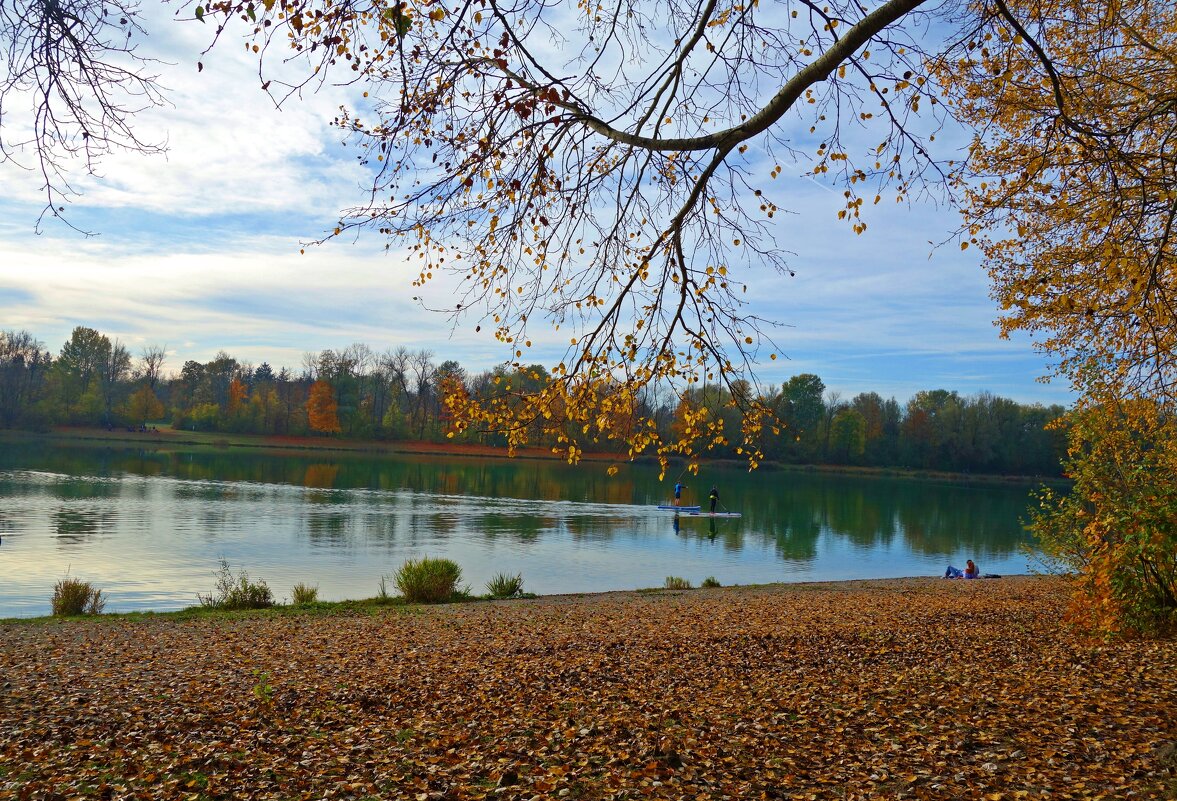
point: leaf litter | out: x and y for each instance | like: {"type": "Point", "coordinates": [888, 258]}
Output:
{"type": "Point", "coordinates": [889, 689]}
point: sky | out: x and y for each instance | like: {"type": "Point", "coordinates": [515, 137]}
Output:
{"type": "Point", "coordinates": [198, 250]}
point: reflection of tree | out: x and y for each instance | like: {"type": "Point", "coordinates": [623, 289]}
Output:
{"type": "Point", "coordinates": [149, 464]}
{"type": "Point", "coordinates": [80, 489]}
{"type": "Point", "coordinates": [792, 509]}
{"type": "Point", "coordinates": [787, 510]}
{"type": "Point", "coordinates": [955, 519]}
{"type": "Point", "coordinates": [328, 526]}
{"type": "Point", "coordinates": [76, 526]}
{"type": "Point", "coordinates": [795, 537]}
{"type": "Point", "coordinates": [320, 475]}
{"type": "Point", "coordinates": [866, 517]}
{"type": "Point", "coordinates": [381, 527]}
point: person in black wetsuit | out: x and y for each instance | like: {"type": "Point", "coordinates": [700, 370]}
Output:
{"type": "Point", "coordinates": [714, 496]}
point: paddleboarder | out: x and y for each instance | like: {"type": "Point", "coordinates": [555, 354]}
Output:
{"type": "Point", "coordinates": [714, 496]}
{"type": "Point", "coordinates": [678, 488]}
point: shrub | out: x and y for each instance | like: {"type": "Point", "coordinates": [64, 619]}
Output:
{"type": "Point", "coordinates": [504, 585]}
{"type": "Point", "coordinates": [428, 580]}
{"type": "Point", "coordinates": [676, 583]}
{"type": "Point", "coordinates": [711, 581]}
{"type": "Point", "coordinates": [237, 592]}
{"type": "Point", "coordinates": [76, 597]}
{"type": "Point", "coordinates": [1117, 527]}
{"type": "Point", "coordinates": [304, 594]}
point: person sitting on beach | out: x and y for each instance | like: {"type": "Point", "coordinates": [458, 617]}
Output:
{"type": "Point", "coordinates": [971, 571]}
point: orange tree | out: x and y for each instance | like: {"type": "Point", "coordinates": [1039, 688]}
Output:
{"type": "Point", "coordinates": [322, 408]}
{"type": "Point", "coordinates": [1072, 179]}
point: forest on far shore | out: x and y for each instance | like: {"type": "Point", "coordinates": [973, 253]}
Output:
{"type": "Point", "coordinates": [358, 393]}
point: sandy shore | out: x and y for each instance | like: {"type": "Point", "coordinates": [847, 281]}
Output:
{"type": "Point", "coordinates": [914, 688]}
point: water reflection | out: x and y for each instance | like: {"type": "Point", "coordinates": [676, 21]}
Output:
{"type": "Point", "coordinates": [76, 526]}
{"type": "Point", "coordinates": [320, 475]}
{"type": "Point", "coordinates": [568, 529]}
{"type": "Point", "coordinates": [327, 527]}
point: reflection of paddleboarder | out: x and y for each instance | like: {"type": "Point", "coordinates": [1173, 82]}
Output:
{"type": "Point", "coordinates": [714, 496]}
{"type": "Point", "coordinates": [711, 527]}
{"type": "Point", "coordinates": [678, 488]}
{"type": "Point", "coordinates": [676, 523]}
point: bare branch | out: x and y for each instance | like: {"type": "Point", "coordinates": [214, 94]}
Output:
{"type": "Point", "coordinates": [72, 86]}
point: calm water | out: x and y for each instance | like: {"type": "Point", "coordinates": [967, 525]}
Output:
{"type": "Point", "coordinates": [150, 526]}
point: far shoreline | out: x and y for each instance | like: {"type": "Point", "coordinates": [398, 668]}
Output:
{"type": "Point", "coordinates": [165, 437]}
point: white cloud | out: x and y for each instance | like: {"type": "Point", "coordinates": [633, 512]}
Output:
{"type": "Point", "coordinates": [228, 149]}
{"type": "Point", "coordinates": [264, 303]}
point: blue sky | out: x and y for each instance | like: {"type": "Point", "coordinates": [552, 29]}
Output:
{"type": "Point", "coordinates": [198, 250]}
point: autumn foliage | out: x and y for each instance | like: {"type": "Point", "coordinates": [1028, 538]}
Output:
{"type": "Point", "coordinates": [1117, 528]}
{"type": "Point", "coordinates": [1069, 192]}
{"type": "Point", "coordinates": [323, 408]}
{"type": "Point", "coordinates": [1072, 182]}
{"type": "Point", "coordinates": [910, 689]}
{"type": "Point", "coordinates": [144, 405]}
{"type": "Point", "coordinates": [624, 209]}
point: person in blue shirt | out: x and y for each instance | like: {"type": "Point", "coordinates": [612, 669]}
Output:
{"type": "Point", "coordinates": [678, 488]}
{"type": "Point", "coordinates": [971, 571]}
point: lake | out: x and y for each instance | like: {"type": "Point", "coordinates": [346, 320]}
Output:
{"type": "Point", "coordinates": [149, 525]}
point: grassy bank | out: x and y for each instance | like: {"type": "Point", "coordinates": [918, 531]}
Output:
{"type": "Point", "coordinates": [887, 689]}
{"type": "Point", "coordinates": [165, 437]}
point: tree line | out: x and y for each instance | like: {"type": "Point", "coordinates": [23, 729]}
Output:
{"type": "Point", "coordinates": [400, 394]}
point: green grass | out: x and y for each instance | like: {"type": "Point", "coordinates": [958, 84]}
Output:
{"type": "Point", "coordinates": [363, 606]}
{"type": "Point", "coordinates": [429, 580]}
{"type": "Point", "coordinates": [72, 597]}
{"type": "Point", "coordinates": [354, 607]}
{"type": "Point", "coordinates": [505, 585]}
{"type": "Point", "coordinates": [237, 591]}
{"type": "Point", "coordinates": [711, 581]}
{"type": "Point", "coordinates": [676, 583]}
{"type": "Point", "coordinates": [382, 594]}
{"type": "Point", "coordinates": [303, 594]}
